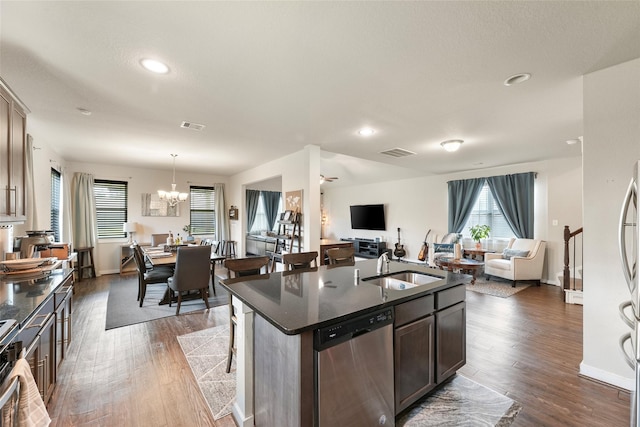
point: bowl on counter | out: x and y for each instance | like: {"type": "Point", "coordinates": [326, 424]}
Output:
{"type": "Point", "coordinates": [22, 264]}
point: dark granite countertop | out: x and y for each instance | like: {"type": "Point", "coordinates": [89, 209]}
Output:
{"type": "Point", "coordinates": [21, 297]}
{"type": "Point", "coordinates": [298, 302]}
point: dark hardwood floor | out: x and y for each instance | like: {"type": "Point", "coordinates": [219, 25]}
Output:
{"type": "Point", "coordinates": [528, 347]}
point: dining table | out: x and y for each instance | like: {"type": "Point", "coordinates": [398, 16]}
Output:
{"type": "Point", "coordinates": [158, 257]}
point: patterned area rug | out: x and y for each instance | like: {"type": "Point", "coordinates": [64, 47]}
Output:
{"type": "Point", "coordinates": [460, 402]}
{"type": "Point", "coordinates": [206, 352]}
{"type": "Point", "coordinates": [496, 288]}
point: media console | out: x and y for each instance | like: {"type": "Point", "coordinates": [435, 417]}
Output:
{"type": "Point", "coordinates": [368, 248]}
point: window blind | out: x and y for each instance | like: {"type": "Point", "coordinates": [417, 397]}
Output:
{"type": "Point", "coordinates": [203, 215]}
{"type": "Point", "coordinates": [56, 195]}
{"type": "Point", "coordinates": [111, 207]}
{"type": "Point", "coordinates": [486, 211]}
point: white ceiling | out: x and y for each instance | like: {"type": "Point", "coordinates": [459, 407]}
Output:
{"type": "Point", "coordinates": [267, 78]}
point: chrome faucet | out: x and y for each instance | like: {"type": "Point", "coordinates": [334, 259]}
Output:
{"type": "Point", "coordinates": [383, 263]}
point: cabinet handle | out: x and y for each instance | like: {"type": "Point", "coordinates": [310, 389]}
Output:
{"type": "Point", "coordinates": [41, 324]}
{"type": "Point", "coordinates": [41, 378]}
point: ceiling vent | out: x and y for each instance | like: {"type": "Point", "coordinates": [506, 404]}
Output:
{"type": "Point", "coordinates": [398, 152]}
{"type": "Point", "coordinates": [194, 126]}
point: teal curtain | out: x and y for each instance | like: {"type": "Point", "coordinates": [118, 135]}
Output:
{"type": "Point", "coordinates": [462, 197]}
{"type": "Point", "coordinates": [253, 197]}
{"type": "Point", "coordinates": [271, 200]}
{"type": "Point", "coordinates": [514, 197]}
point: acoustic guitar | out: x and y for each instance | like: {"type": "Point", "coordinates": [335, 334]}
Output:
{"type": "Point", "coordinates": [424, 250]}
{"type": "Point", "coordinates": [399, 252]}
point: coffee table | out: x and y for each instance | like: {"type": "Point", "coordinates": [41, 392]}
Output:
{"type": "Point", "coordinates": [465, 265]}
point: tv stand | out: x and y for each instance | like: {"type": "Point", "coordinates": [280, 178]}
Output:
{"type": "Point", "coordinates": [368, 248]}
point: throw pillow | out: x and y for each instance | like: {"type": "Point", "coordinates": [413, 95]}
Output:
{"type": "Point", "coordinates": [509, 253]}
{"type": "Point", "coordinates": [443, 247]}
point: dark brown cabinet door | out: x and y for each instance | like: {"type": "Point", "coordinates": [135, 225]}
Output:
{"type": "Point", "coordinates": [451, 341]}
{"type": "Point", "coordinates": [414, 361]}
{"type": "Point", "coordinates": [5, 129]}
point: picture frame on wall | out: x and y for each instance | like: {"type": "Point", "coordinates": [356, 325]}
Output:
{"type": "Point", "coordinates": [233, 212]}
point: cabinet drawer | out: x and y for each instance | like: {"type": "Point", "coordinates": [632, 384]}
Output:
{"type": "Point", "coordinates": [414, 309]}
{"type": "Point", "coordinates": [33, 326]}
{"type": "Point", "coordinates": [61, 294]}
{"type": "Point", "coordinates": [450, 297]}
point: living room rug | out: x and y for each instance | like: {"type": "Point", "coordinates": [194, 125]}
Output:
{"type": "Point", "coordinates": [459, 402]}
{"type": "Point", "coordinates": [123, 309]}
{"type": "Point", "coordinates": [496, 288]}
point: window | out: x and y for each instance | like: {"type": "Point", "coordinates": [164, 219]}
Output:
{"type": "Point", "coordinates": [486, 211]}
{"type": "Point", "coordinates": [111, 207]}
{"type": "Point", "coordinates": [203, 214]}
{"type": "Point", "coordinates": [56, 202]}
{"type": "Point", "coordinates": [261, 224]}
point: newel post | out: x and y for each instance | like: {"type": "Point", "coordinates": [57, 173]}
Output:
{"type": "Point", "coordinates": [565, 272]}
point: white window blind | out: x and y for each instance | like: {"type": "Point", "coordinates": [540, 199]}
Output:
{"type": "Point", "coordinates": [56, 202]}
{"type": "Point", "coordinates": [486, 211]}
{"type": "Point", "coordinates": [111, 207]}
{"type": "Point", "coordinates": [203, 214]}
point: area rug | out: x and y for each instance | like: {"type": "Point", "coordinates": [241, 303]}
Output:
{"type": "Point", "coordinates": [123, 309]}
{"type": "Point", "coordinates": [496, 288]}
{"type": "Point", "coordinates": [460, 402]}
{"type": "Point", "coordinates": [206, 353]}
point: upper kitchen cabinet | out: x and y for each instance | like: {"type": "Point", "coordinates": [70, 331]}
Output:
{"type": "Point", "coordinates": [13, 143]}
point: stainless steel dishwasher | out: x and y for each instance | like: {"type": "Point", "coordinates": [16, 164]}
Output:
{"type": "Point", "coordinates": [354, 372]}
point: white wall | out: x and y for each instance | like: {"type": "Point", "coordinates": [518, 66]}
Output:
{"type": "Point", "coordinates": [140, 181]}
{"type": "Point", "coordinates": [611, 147]}
{"type": "Point", "coordinates": [419, 204]}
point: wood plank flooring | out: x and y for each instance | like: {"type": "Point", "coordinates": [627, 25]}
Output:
{"type": "Point", "coordinates": [527, 347]}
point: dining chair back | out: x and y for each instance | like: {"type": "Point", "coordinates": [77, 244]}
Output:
{"type": "Point", "coordinates": [159, 239]}
{"type": "Point", "coordinates": [300, 260]}
{"type": "Point", "coordinates": [192, 273]}
{"type": "Point", "coordinates": [341, 255]}
{"type": "Point", "coordinates": [146, 275]}
{"type": "Point", "coordinates": [251, 266]}
{"type": "Point", "coordinates": [240, 269]}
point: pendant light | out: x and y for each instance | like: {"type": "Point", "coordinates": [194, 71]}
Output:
{"type": "Point", "coordinates": [173, 197]}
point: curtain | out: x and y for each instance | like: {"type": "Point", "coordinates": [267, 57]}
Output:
{"type": "Point", "coordinates": [65, 215]}
{"type": "Point", "coordinates": [514, 197]}
{"type": "Point", "coordinates": [84, 218]}
{"type": "Point", "coordinates": [253, 196]}
{"type": "Point", "coordinates": [271, 201]}
{"type": "Point", "coordinates": [30, 190]}
{"type": "Point", "coordinates": [462, 197]}
{"type": "Point", "coordinates": [222, 223]}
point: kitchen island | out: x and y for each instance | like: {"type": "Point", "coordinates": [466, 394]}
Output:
{"type": "Point", "coordinates": [281, 318]}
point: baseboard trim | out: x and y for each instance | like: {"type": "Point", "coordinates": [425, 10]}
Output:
{"type": "Point", "coordinates": [599, 375]}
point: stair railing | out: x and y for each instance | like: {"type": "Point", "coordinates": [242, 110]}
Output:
{"type": "Point", "coordinates": [570, 255]}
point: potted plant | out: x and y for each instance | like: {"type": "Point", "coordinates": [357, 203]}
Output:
{"type": "Point", "coordinates": [187, 229]}
{"type": "Point", "coordinates": [479, 232]}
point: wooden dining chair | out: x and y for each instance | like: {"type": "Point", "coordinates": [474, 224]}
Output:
{"type": "Point", "coordinates": [146, 275]}
{"type": "Point", "coordinates": [192, 273]}
{"type": "Point", "coordinates": [300, 260]}
{"type": "Point", "coordinates": [240, 269]}
{"type": "Point", "coordinates": [341, 255]}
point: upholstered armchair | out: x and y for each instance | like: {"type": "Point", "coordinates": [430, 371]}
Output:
{"type": "Point", "coordinates": [522, 259]}
{"type": "Point", "coordinates": [442, 248]}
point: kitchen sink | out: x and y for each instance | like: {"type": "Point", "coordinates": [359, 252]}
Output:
{"type": "Point", "coordinates": [403, 280]}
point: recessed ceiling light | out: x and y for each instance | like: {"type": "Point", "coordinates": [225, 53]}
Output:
{"type": "Point", "coordinates": [366, 132]}
{"type": "Point", "coordinates": [452, 144]}
{"type": "Point", "coordinates": [84, 111]}
{"type": "Point", "coordinates": [154, 66]}
{"type": "Point", "coordinates": [517, 78]}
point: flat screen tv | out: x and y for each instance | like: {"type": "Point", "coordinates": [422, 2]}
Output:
{"type": "Point", "coordinates": [367, 217]}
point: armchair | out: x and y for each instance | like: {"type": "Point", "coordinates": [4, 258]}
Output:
{"type": "Point", "coordinates": [523, 259]}
{"type": "Point", "coordinates": [442, 248]}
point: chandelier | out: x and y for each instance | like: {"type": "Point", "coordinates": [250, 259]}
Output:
{"type": "Point", "coordinates": [173, 197]}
